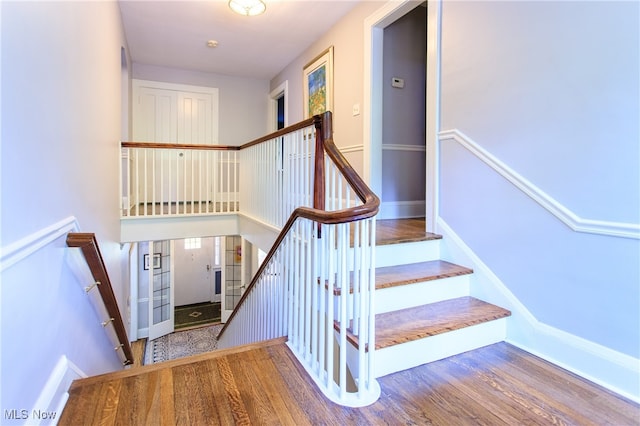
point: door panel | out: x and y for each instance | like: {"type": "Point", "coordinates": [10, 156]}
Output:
{"type": "Point", "coordinates": [232, 285]}
{"type": "Point", "coordinates": [193, 271]}
{"type": "Point", "coordinates": [172, 113]}
{"type": "Point", "coordinates": [161, 291]}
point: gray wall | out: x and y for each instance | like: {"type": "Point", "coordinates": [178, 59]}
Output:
{"type": "Point", "coordinates": [550, 89]}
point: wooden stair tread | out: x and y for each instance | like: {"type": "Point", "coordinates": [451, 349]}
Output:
{"type": "Point", "coordinates": [391, 276]}
{"type": "Point", "coordinates": [395, 231]}
{"type": "Point", "coordinates": [402, 326]}
{"type": "Point", "coordinates": [406, 325]}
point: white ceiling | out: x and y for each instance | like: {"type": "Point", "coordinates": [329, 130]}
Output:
{"type": "Point", "coordinates": [175, 33]}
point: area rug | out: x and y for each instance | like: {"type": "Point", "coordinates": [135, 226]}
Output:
{"type": "Point", "coordinates": [182, 343]}
{"type": "Point", "coordinates": [197, 314]}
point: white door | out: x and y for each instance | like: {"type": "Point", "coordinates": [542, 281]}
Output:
{"type": "Point", "coordinates": [232, 285]}
{"type": "Point", "coordinates": [172, 113]}
{"type": "Point", "coordinates": [155, 119]}
{"type": "Point", "coordinates": [194, 271]}
{"type": "Point", "coordinates": [159, 264]}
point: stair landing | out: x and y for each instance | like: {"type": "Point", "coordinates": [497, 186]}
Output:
{"type": "Point", "coordinates": [394, 231]}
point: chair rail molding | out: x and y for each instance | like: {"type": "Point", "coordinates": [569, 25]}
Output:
{"type": "Point", "coordinates": [569, 218]}
{"type": "Point", "coordinates": [400, 147]}
{"type": "Point", "coordinates": [19, 250]}
{"type": "Point", "coordinates": [351, 148]}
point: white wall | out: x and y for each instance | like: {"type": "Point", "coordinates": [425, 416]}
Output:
{"type": "Point", "coordinates": [550, 89]}
{"type": "Point", "coordinates": [61, 127]}
{"type": "Point", "coordinates": [243, 102]}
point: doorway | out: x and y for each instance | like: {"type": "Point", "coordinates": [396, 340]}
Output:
{"type": "Point", "coordinates": [196, 276]}
{"type": "Point", "coordinates": [404, 77]}
{"type": "Point", "coordinates": [171, 275]}
{"type": "Point", "coordinates": [198, 281]}
{"type": "Point", "coordinates": [374, 83]}
{"type": "Point", "coordinates": [279, 112]}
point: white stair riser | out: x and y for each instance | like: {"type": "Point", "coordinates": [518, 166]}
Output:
{"type": "Point", "coordinates": [411, 295]}
{"type": "Point", "coordinates": [411, 354]}
{"type": "Point", "coordinates": [405, 253]}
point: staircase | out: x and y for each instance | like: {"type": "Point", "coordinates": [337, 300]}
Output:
{"type": "Point", "coordinates": [423, 309]}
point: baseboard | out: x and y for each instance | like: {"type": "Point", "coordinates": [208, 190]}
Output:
{"type": "Point", "coordinates": [606, 367]}
{"type": "Point", "coordinates": [55, 393]}
{"type": "Point", "coordinates": [401, 209]}
{"type": "Point", "coordinates": [610, 369]}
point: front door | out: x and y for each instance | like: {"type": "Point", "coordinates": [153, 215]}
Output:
{"type": "Point", "coordinates": [194, 270]}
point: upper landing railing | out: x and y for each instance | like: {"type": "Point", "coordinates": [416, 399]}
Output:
{"type": "Point", "coordinates": [316, 285]}
{"type": "Point", "coordinates": [162, 179]}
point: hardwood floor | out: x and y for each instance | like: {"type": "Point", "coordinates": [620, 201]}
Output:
{"type": "Point", "coordinates": [389, 231]}
{"type": "Point", "coordinates": [137, 348]}
{"type": "Point", "coordinates": [264, 384]}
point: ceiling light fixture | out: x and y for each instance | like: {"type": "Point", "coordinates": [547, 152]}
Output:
{"type": "Point", "coordinates": [248, 7]}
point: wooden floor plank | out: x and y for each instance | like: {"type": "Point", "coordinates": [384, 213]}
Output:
{"type": "Point", "coordinates": [272, 383]}
{"type": "Point", "coordinates": [222, 407]}
{"type": "Point", "coordinates": [238, 409]}
{"type": "Point", "coordinates": [194, 399]}
{"type": "Point", "coordinates": [107, 405]}
{"type": "Point", "coordinates": [137, 348]}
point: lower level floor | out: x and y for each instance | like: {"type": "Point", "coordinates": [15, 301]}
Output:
{"type": "Point", "coordinates": [264, 384]}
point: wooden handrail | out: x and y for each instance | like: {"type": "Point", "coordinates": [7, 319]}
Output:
{"type": "Point", "coordinates": [160, 145]}
{"type": "Point", "coordinates": [369, 208]}
{"type": "Point", "coordinates": [89, 245]}
{"type": "Point", "coordinates": [300, 125]}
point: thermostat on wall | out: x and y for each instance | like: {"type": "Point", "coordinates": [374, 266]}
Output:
{"type": "Point", "coordinates": [397, 82]}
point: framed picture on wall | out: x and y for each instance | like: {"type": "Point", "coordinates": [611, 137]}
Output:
{"type": "Point", "coordinates": [318, 84]}
{"type": "Point", "coordinates": [156, 261]}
